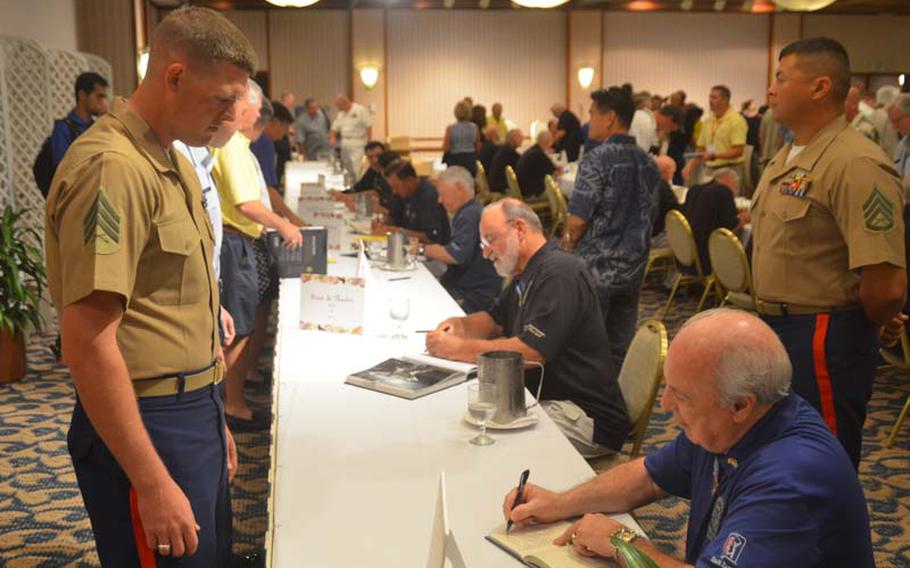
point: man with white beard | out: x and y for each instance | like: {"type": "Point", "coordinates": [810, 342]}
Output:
{"type": "Point", "coordinates": [550, 314]}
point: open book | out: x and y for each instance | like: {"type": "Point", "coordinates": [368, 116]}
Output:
{"type": "Point", "coordinates": [411, 377]}
{"type": "Point", "coordinates": [533, 546]}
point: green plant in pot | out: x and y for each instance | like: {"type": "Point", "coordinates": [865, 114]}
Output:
{"type": "Point", "coordinates": [22, 282]}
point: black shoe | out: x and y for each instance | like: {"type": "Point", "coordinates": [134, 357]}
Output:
{"type": "Point", "coordinates": [248, 560]}
{"type": "Point", "coordinates": [260, 421]}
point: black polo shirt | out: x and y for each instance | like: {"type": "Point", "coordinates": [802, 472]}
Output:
{"type": "Point", "coordinates": [505, 156]}
{"type": "Point", "coordinates": [573, 138]}
{"type": "Point", "coordinates": [709, 206]}
{"type": "Point", "coordinates": [422, 212]}
{"type": "Point", "coordinates": [552, 306]}
{"type": "Point", "coordinates": [472, 278]}
{"type": "Point", "coordinates": [486, 154]}
{"type": "Point", "coordinates": [532, 167]}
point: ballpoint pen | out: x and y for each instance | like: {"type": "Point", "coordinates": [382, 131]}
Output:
{"type": "Point", "coordinates": [518, 496]}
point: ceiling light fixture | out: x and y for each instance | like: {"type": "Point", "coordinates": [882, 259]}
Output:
{"type": "Point", "coordinates": [685, 5]}
{"type": "Point", "coordinates": [292, 3]}
{"type": "Point", "coordinates": [803, 5]}
{"type": "Point", "coordinates": [539, 3]}
{"type": "Point", "coordinates": [719, 5]}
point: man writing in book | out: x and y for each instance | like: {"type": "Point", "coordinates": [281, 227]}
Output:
{"type": "Point", "coordinates": [550, 314]}
{"type": "Point", "coordinates": [769, 484]}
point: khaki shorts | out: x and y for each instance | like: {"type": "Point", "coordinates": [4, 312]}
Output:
{"type": "Point", "coordinates": [575, 425]}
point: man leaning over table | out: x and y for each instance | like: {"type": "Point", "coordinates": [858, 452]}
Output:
{"type": "Point", "coordinates": [769, 485]}
{"type": "Point", "coordinates": [550, 314]}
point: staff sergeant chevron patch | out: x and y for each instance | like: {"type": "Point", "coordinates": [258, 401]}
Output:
{"type": "Point", "coordinates": [878, 212]}
{"type": "Point", "coordinates": [101, 227]}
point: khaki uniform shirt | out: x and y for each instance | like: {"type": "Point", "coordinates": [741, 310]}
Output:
{"type": "Point", "coordinates": [818, 219]}
{"type": "Point", "coordinates": [125, 215]}
{"type": "Point", "coordinates": [722, 134]}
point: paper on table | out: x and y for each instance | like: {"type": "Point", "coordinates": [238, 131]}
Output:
{"type": "Point", "coordinates": [444, 363]}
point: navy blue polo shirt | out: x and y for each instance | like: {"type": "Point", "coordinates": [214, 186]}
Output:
{"type": "Point", "coordinates": [473, 278]}
{"type": "Point", "coordinates": [422, 212]}
{"type": "Point", "coordinates": [264, 150]}
{"type": "Point", "coordinates": [790, 496]}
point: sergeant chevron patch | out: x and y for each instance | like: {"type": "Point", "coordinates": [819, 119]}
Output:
{"type": "Point", "coordinates": [878, 212]}
{"type": "Point", "coordinates": [101, 227]}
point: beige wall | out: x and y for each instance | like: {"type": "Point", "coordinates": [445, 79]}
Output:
{"type": "Point", "coordinates": [875, 43]}
{"type": "Point", "coordinates": [52, 23]}
{"type": "Point", "coordinates": [368, 48]}
{"type": "Point", "coordinates": [585, 50]}
{"type": "Point", "coordinates": [664, 52]}
{"type": "Point", "coordinates": [106, 28]}
{"type": "Point", "coordinates": [436, 57]}
{"type": "Point", "coordinates": [785, 28]}
{"type": "Point", "coordinates": [253, 24]}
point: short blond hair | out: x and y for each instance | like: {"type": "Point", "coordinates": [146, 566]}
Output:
{"type": "Point", "coordinates": [204, 37]}
{"type": "Point", "coordinates": [462, 110]}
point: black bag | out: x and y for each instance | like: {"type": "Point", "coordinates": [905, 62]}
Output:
{"type": "Point", "coordinates": [44, 168]}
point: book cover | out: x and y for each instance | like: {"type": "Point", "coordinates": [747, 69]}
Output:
{"type": "Point", "coordinates": [406, 378]}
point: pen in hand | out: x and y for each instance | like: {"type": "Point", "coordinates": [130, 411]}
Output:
{"type": "Point", "coordinates": [518, 496]}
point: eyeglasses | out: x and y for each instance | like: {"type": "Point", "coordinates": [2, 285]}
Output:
{"type": "Point", "coordinates": [488, 241]}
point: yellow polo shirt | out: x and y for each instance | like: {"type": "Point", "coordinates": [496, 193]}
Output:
{"type": "Point", "coordinates": [722, 135]}
{"type": "Point", "coordinates": [237, 180]}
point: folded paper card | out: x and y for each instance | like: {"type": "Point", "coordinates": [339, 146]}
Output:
{"type": "Point", "coordinates": [332, 303]}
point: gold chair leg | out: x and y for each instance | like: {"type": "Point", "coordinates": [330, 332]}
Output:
{"type": "Point", "coordinates": [704, 295]}
{"type": "Point", "coordinates": [648, 267]}
{"type": "Point", "coordinates": [672, 294]}
{"type": "Point", "coordinates": [897, 425]}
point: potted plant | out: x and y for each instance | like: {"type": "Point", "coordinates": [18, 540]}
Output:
{"type": "Point", "coordinates": [22, 282]}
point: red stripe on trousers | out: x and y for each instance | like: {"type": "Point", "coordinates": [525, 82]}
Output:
{"type": "Point", "coordinates": [146, 554]}
{"type": "Point", "coordinates": [825, 392]}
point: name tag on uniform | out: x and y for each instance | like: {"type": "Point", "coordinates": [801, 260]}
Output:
{"type": "Point", "coordinates": [797, 186]}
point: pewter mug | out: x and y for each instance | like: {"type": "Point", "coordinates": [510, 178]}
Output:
{"type": "Point", "coordinates": [395, 256]}
{"type": "Point", "coordinates": [506, 369]}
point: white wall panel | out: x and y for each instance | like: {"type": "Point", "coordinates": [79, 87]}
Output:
{"type": "Point", "coordinates": [875, 43]}
{"type": "Point", "coordinates": [665, 52]}
{"type": "Point", "coordinates": [437, 57]}
{"type": "Point", "coordinates": [252, 24]}
{"type": "Point", "coordinates": [310, 53]}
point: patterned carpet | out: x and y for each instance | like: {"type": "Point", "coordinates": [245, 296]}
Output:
{"type": "Point", "coordinates": [43, 523]}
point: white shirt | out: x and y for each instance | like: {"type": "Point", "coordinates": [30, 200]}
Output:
{"type": "Point", "coordinates": [644, 129]}
{"type": "Point", "coordinates": [352, 124]}
{"type": "Point", "coordinates": [794, 152]}
{"type": "Point", "coordinates": [203, 162]}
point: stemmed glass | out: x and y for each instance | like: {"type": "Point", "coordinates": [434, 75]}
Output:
{"type": "Point", "coordinates": [399, 310]}
{"type": "Point", "coordinates": [482, 407]}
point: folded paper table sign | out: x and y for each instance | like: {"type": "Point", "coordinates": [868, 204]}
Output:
{"type": "Point", "coordinates": [444, 551]}
{"type": "Point", "coordinates": [332, 303]}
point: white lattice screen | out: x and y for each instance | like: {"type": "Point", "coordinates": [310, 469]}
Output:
{"type": "Point", "coordinates": [36, 86]}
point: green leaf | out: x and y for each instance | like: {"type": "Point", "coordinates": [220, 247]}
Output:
{"type": "Point", "coordinates": [632, 557]}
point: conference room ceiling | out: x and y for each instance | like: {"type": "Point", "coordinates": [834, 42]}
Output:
{"type": "Point", "coordinates": [728, 6]}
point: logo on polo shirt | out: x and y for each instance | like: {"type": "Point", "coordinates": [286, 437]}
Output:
{"type": "Point", "coordinates": [731, 551]}
{"type": "Point", "coordinates": [532, 329]}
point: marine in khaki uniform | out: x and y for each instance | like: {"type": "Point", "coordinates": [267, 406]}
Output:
{"type": "Point", "coordinates": [129, 254]}
{"type": "Point", "coordinates": [828, 240]}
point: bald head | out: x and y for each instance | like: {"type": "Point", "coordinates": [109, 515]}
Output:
{"type": "Point", "coordinates": [545, 139]}
{"type": "Point", "coordinates": [342, 103]}
{"type": "Point", "coordinates": [557, 109]}
{"type": "Point", "coordinates": [514, 137]}
{"type": "Point", "coordinates": [737, 352]}
{"type": "Point", "coordinates": [492, 134]}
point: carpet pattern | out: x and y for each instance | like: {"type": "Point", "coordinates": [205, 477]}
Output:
{"type": "Point", "coordinates": [43, 522]}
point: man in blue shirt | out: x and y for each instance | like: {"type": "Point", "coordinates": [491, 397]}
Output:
{"type": "Point", "coordinates": [769, 484]}
{"type": "Point", "coordinates": [91, 102]}
{"type": "Point", "coordinates": [470, 278]}
{"type": "Point", "coordinates": [611, 214]}
{"type": "Point", "coordinates": [418, 212]}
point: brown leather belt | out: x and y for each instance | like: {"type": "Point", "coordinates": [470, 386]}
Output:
{"type": "Point", "coordinates": [179, 383]}
{"type": "Point", "coordinates": [784, 309]}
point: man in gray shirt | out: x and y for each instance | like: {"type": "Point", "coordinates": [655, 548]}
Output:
{"type": "Point", "coordinates": [313, 130]}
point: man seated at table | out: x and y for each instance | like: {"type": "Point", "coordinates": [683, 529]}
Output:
{"type": "Point", "coordinates": [534, 164]}
{"type": "Point", "coordinates": [550, 314]}
{"type": "Point", "coordinates": [506, 155]}
{"type": "Point", "coordinates": [666, 201]}
{"type": "Point", "coordinates": [470, 277]}
{"type": "Point", "coordinates": [418, 212]}
{"type": "Point", "coordinates": [768, 482]}
{"type": "Point", "coordinates": [488, 147]}
{"type": "Point", "coordinates": [710, 206]}
{"type": "Point", "coordinates": [372, 177]}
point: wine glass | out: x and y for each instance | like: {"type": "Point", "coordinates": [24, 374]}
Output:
{"type": "Point", "coordinates": [399, 310]}
{"type": "Point", "coordinates": [482, 407]}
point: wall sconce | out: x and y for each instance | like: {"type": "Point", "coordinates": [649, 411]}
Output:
{"type": "Point", "coordinates": [539, 3]}
{"type": "Point", "coordinates": [292, 3]}
{"type": "Point", "coordinates": [142, 63]}
{"type": "Point", "coordinates": [585, 76]}
{"type": "Point", "coordinates": [369, 75]}
{"type": "Point", "coordinates": [901, 79]}
{"type": "Point", "coordinates": [803, 5]}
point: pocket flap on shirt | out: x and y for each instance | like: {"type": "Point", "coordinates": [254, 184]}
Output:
{"type": "Point", "coordinates": [792, 208]}
{"type": "Point", "coordinates": [179, 237]}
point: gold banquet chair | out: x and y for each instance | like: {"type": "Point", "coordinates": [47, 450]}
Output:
{"type": "Point", "coordinates": [484, 195]}
{"type": "Point", "coordinates": [902, 364]}
{"type": "Point", "coordinates": [731, 269]}
{"type": "Point", "coordinates": [639, 380]}
{"type": "Point", "coordinates": [512, 181]}
{"type": "Point", "coordinates": [685, 253]}
{"type": "Point", "coordinates": [556, 201]}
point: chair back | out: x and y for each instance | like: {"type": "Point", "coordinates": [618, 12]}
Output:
{"type": "Point", "coordinates": [682, 241]}
{"type": "Point", "coordinates": [640, 377]}
{"type": "Point", "coordinates": [556, 203]}
{"type": "Point", "coordinates": [512, 180]}
{"type": "Point", "coordinates": [729, 261]}
{"type": "Point", "coordinates": [481, 185]}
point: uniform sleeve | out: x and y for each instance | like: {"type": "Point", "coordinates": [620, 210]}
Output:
{"type": "Point", "coordinates": [767, 524]}
{"type": "Point", "coordinates": [589, 188]}
{"type": "Point", "coordinates": [366, 118]}
{"type": "Point", "coordinates": [102, 219]}
{"type": "Point", "coordinates": [867, 206]}
{"type": "Point", "coordinates": [235, 175]}
{"type": "Point", "coordinates": [671, 467]}
{"type": "Point", "coordinates": [465, 239]}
